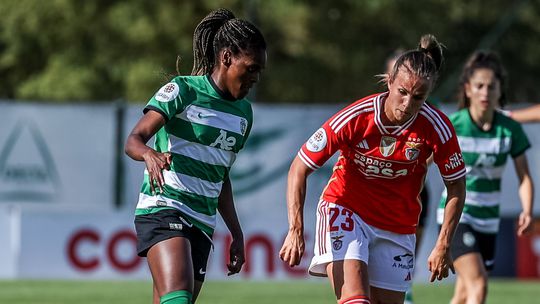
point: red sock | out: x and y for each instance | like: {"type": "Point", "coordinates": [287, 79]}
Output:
{"type": "Point", "coordinates": [356, 300]}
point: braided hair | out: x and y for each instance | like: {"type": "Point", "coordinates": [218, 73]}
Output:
{"type": "Point", "coordinates": [481, 60]}
{"type": "Point", "coordinates": [218, 30]}
{"type": "Point", "coordinates": [424, 62]}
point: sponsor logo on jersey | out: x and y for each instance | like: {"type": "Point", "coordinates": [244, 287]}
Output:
{"type": "Point", "coordinates": [455, 160]}
{"type": "Point", "coordinates": [412, 152]}
{"type": "Point", "coordinates": [224, 142]}
{"type": "Point", "coordinates": [201, 115]}
{"type": "Point", "coordinates": [363, 144]}
{"type": "Point", "coordinates": [317, 141]}
{"type": "Point", "coordinates": [167, 92]}
{"type": "Point", "coordinates": [381, 168]}
{"type": "Point", "coordinates": [485, 160]}
{"type": "Point", "coordinates": [387, 146]}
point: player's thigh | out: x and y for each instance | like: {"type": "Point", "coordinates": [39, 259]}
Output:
{"type": "Point", "coordinates": [470, 268]}
{"type": "Point", "coordinates": [171, 265]}
{"type": "Point", "coordinates": [386, 296]}
{"type": "Point", "coordinates": [349, 278]}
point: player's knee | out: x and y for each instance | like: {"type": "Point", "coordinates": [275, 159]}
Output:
{"type": "Point", "coordinates": [176, 297]}
{"type": "Point", "coordinates": [355, 300]}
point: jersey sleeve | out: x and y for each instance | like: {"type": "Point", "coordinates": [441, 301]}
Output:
{"type": "Point", "coordinates": [167, 101]}
{"type": "Point", "coordinates": [446, 151]}
{"type": "Point", "coordinates": [334, 134]}
{"type": "Point", "coordinates": [520, 142]}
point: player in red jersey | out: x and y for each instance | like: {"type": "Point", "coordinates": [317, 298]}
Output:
{"type": "Point", "coordinates": [368, 212]}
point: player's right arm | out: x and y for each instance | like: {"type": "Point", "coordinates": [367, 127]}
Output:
{"type": "Point", "coordinates": [137, 149]}
{"type": "Point", "coordinates": [294, 245]}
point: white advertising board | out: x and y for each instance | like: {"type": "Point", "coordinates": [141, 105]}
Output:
{"type": "Point", "coordinates": [57, 155]}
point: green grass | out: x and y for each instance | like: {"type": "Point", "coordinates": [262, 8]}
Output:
{"type": "Point", "coordinates": [236, 292]}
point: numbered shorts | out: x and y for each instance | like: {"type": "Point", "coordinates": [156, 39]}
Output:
{"type": "Point", "coordinates": [342, 235]}
{"type": "Point", "coordinates": [467, 240]}
{"type": "Point", "coordinates": [168, 223]}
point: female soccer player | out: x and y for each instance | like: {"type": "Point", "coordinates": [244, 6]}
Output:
{"type": "Point", "coordinates": [200, 123]}
{"type": "Point", "coordinates": [487, 137]}
{"type": "Point", "coordinates": [368, 212]}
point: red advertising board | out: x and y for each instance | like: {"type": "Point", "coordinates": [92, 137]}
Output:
{"type": "Point", "coordinates": [528, 254]}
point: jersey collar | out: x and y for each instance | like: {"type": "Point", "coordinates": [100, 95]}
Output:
{"type": "Point", "coordinates": [223, 95]}
{"type": "Point", "coordinates": [390, 130]}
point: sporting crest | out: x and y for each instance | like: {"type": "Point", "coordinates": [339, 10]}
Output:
{"type": "Point", "coordinates": [387, 146]}
{"type": "Point", "coordinates": [243, 126]}
{"type": "Point", "coordinates": [412, 152]}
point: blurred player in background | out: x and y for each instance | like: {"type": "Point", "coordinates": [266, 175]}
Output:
{"type": "Point", "coordinates": [487, 137]}
{"type": "Point", "coordinates": [368, 212]}
{"type": "Point", "coordinates": [200, 123]}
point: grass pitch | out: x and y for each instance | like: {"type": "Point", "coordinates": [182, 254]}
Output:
{"type": "Point", "coordinates": [237, 292]}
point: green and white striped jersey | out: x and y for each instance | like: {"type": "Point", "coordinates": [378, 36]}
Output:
{"type": "Point", "coordinates": [485, 154]}
{"type": "Point", "coordinates": [204, 132]}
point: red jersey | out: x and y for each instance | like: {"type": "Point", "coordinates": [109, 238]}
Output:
{"type": "Point", "coordinates": [381, 169]}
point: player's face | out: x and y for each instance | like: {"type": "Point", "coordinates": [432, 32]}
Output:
{"type": "Point", "coordinates": [483, 90]}
{"type": "Point", "coordinates": [406, 94]}
{"type": "Point", "coordinates": [244, 71]}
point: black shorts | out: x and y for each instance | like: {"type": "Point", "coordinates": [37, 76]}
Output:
{"type": "Point", "coordinates": [467, 240]}
{"type": "Point", "coordinates": [165, 224]}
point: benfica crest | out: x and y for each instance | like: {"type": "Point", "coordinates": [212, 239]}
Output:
{"type": "Point", "coordinates": [387, 146]}
{"type": "Point", "coordinates": [337, 243]}
{"type": "Point", "coordinates": [412, 152]}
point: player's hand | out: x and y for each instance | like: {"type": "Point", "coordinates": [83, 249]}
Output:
{"type": "Point", "coordinates": [155, 164]}
{"type": "Point", "coordinates": [439, 263]}
{"type": "Point", "coordinates": [236, 256]}
{"type": "Point", "coordinates": [525, 224]}
{"type": "Point", "coordinates": [293, 248]}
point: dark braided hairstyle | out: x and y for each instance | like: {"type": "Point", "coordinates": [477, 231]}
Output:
{"type": "Point", "coordinates": [424, 62]}
{"type": "Point", "coordinates": [219, 30]}
{"type": "Point", "coordinates": [481, 60]}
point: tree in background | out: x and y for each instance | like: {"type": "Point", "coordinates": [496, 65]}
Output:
{"type": "Point", "coordinates": [320, 51]}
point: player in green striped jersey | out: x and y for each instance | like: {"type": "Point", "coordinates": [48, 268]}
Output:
{"type": "Point", "coordinates": [200, 123]}
{"type": "Point", "coordinates": [487, 137]}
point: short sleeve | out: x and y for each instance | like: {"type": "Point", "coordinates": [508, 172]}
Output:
{"type": "Point", "coordinates": [332, 136]}
{"type": "Point", "coordinates": [167, 101]}
{"type": "Point", "coordinates": [447, 153]}
{"type": "Point", "coordinates": [520, 142]}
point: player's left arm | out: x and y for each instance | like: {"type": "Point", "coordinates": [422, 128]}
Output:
{"type": "Point", "coordinates": [526, 194]}
{"type": "Point", "coordinates": [440, 260]}
{"type": "Point", "coordinates": [447, 156]}
{"type": "Point", "coordinates": [228, 213]}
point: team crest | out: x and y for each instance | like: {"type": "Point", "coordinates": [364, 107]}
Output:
{"type": "Point", "coordinates": [243, 125]}
{"type": "Point", "coordinates": [412, 152]}
{"type": "Point", "coordinates": [337, 243]}
{"type": "Point", "coordinates": [387, 146]}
